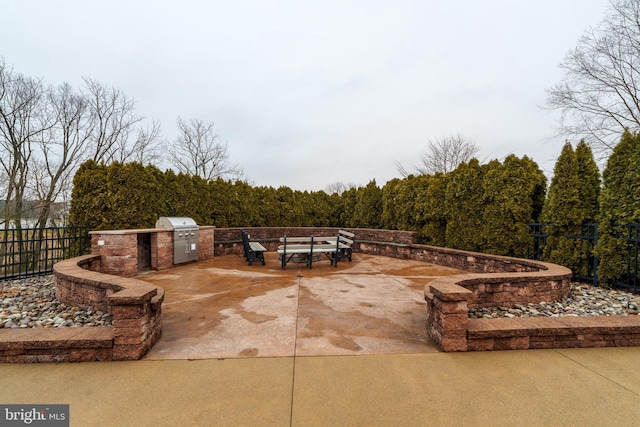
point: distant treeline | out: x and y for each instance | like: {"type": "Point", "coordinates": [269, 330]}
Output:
{"type": "Point", "coordinates": [29, 211]}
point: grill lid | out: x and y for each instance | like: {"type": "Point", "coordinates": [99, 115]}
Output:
{"type": "Point", "coordinates": [175, 222]}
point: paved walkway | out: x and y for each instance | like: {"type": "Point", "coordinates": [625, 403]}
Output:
{"type": "Point", "coordinates": [574, 387]}
{"type": "Point", "coordinates": [353, 377]}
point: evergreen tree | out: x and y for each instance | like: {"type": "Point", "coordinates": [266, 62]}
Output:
{"type": "Point", "coordinates": [269, 207]}
{"type": "Point", "coordinates": [89, 199]}
{"type": "Point", "coordinates": [409, 216]}
{"type": "Point", "coordinates": [245, 208]}
{"type": "Point", "coordinates": [177, 195]}
{"type": "Point", "coordinates": [317, 209]}
{"type": "Point", "coordinates": [564, 194]}
{"type": "Point", "coordinates": [619, 205]}
{"type": "Point", "coordinates": [199, 200]}
{"type": "Point", "coordinates": [571, 202]}
{"type": "Point", "coordinates": [589, 181]}
{"type": "Point", "coordinates": [335, 210]}
{"type": "Point", "coordinates": [464, 207]}
{"type": "Point", "coordinates": [349, 200]}
{"type": "Point", "coordinates": [134, 195]}
{"type": "Point", "coordinates": [513, 199]}
{"type": "Point", "coordinates": [368, 207]}
{"type": "Point", "coordinates": [389, 212]}
{"type": "Point", "coordinates": [291, 212]}
{"type": "Point", "coordinates": [430, 208]}
{"type": "Point", "coordinates": [562, 211]}
{"type": "Point", "coordinates": [219, 191]}
{"type": "Point", "coordinates": [399, 204]}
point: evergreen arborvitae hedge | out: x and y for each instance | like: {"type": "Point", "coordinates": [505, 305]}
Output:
{"type": "Point", "coordinates": [619, 205]}
{"type": "Point", "coordinates": [367, 212]}
{"type": "Point", "coordinates": [349, 200]}
{"type": "Point", "coordinates": [390, 215]}
{"type": "Point", "coordinates": [513, 198]}
{"type": "Point", "coordinates": [589, 180]}
{"type": "Point", "coordinates": [571, 202]}
{"type": "Point", "coordinates": [135, 193]}
{"type": "Point", "coordinates": [89, 197]}
{"type": "Point", "coordinates": [561, 211]}
{"type": "Point", "coordinates": [126, 196]}
{"type": "Point", "coordinates": [564, 194]}
{"type": "Point", "coordinates": [399, 198]}
{"type": "Point", "coordinates": [475, 207]}
{"type": "Point", "coordinates": [117, 196]}
{"type": "Point", "coordinates": [464, 204]}
{"type": "Point", "coordinates": [431, 211]}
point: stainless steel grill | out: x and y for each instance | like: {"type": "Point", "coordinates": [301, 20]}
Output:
{"type": "Point", "coordinates": [185, 237]}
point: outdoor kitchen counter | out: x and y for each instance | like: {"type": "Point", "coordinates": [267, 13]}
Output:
{"type": "Point", "coordinates": [142, 230]}
{"type": "Point", "coordinates": [138, 231]}
{"type": "Point", "coordinates": [126, 252]}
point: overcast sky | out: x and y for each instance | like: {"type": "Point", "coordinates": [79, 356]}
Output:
{"type": "Point", "coordinates": [311, 93]}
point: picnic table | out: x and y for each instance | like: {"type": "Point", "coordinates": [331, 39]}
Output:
{"type": "Point", "coordinates": [333, 247]}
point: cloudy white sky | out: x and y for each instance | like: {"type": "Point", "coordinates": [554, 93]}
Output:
{"type": "Point", "coordinates": [311, 93]}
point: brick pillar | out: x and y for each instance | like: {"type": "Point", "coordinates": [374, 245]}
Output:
{"type": "Point", "coordinates": [161, 250]}
{"type": "Point", "coordinates": [137, 322]}
{"type": "Point", "coordinates": [205, 243]}
{"type": "Point", "coordinates": [118, 253]}
{"type": "Point", "coordinates": [447, 306]}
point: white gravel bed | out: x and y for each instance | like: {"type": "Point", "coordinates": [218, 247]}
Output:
{"type": "Point", "coordinates": [31, 303]}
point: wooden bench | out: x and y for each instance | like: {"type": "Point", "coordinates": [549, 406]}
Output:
{"type": "Point", "coordinates": [253, 251]}
{"type": "Point", "coordinates": [333, 247]}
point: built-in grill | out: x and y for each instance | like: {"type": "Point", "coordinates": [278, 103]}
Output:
{"type": "Point", "coordinates": [185, 237]}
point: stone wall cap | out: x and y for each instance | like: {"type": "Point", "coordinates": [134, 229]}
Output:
{"type": "Point", "coordinates": [133, 295]}
{"type": "Point", "coordinates": [540, 326]}
{"type": "Point", "coordinates": [448, 290]}
{"type": "Point", "coordinates": [132, 231]}
{"type": "Point", "coordinates": [33, 338]}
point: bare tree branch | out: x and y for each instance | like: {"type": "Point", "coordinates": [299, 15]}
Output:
{"type": "Point", "coordinates": [598, 94]}
{"type": "Point", "coordinates": [149, 144]}
{"type": "Point", "coordinates": [443, 155]}
{"type": "Point", "coordinates": [339, 187]}
{"type": "Point", "coordinates": [23, 118]}
{"type": "Point", "coordinates": [113, 120]}
{"type": "Point", "coordinates": [198, 151]}
{"type": "Point", "coordinates": [61, 149]}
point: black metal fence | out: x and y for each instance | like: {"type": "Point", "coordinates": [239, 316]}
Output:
{"type": "Point", "coordinates": [33, 251]}
{"type": "Point", "coordinates": [586, 268]}
{"type": "Point", "coordinates": [630, 279]}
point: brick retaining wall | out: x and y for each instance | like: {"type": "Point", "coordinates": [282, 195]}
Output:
{"type": "Point", "coordinates": [136, 305]}
{"type": "Point", "coordinates": [553, 332]}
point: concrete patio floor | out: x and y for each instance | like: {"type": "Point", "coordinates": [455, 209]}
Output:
{"type": "Point", "coordinates": [224, 308]}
